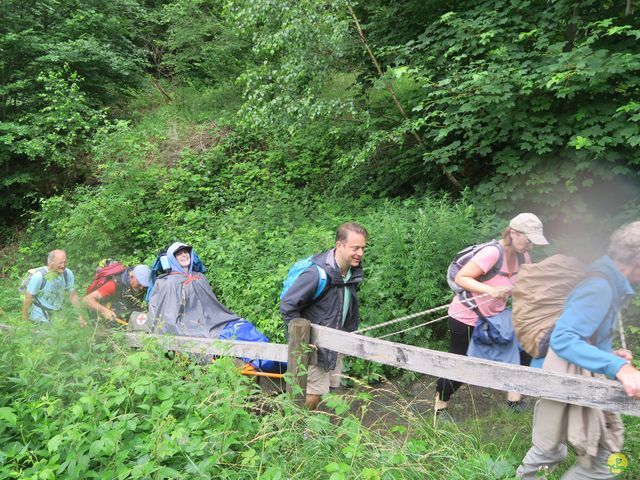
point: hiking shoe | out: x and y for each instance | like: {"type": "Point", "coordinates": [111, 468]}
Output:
{"type": "Point", "coordinates": [517, 407]}
{"type": "Point", "coordinates": [443, 415]}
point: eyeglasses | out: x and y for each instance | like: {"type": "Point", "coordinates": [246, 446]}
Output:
{"type": "Point", "coordinates": [529, 242]}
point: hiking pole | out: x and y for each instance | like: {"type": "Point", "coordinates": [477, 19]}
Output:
{"type": "Point", "coordinates": [623, 340]}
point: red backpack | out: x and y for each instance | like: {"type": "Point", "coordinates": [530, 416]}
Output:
{"type": "Point", "coordinates": [104, 274]}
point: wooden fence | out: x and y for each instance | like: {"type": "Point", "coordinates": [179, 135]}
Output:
{"type": "Point", "coordinates": [589, 392]}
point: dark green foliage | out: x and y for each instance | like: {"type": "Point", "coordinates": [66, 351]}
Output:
{"type": "Point", "coordinates": [262, 126]}
{"type": "Point", "coordinates": [532, 102]}
{"type": "Point", "coordinates": [51, 141]}
{"type": "Point", "coordinates": [73, 406]}
{"type": "Point", "coordinates": [61, 62]}
{"type": "Point", "coordinates": [298, 47]}
{"type": "Point", "coordinates": [201, 47]}
{"type": "Point", "coordinates": [95, 38]}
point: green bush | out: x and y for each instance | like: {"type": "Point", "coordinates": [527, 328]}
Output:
{"type": "Point", "coordinates": [249, 248]}
{"type": "Point", "coordinates": [75, 406]}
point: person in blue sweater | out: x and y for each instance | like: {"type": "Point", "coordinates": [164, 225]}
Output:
{"type": "Point", "coordinates": [582, 342]}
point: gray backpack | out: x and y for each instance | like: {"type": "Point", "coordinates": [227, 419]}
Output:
{"type": "Point", "coordinates": [462, 258]}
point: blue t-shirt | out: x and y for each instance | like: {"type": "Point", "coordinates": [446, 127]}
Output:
{"type": "Point", "coordinates": [51, 297]}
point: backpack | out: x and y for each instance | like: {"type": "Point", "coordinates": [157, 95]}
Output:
{"type": "Point", "coordinates": [22, 289]}
{"type": "Point", "coordinates": [462, 258]}
{"type": "Point", "coordinates": [107, 270]}
{"type": "Point", "coordinates": [162, 267]}
{"type": "Point", "coordinates": [296, 270]}
{"type": "Point", "coordinates": [489, 331]}
{"type": "Point", "coordinates": [245, 331]}
{"type": "Point", "coordinates": [539, 297]}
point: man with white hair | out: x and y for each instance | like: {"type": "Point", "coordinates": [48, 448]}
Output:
{"type": "Point", "coordinates": [44, 295]}
{"type": "Point", "coordinates": [581, 343]}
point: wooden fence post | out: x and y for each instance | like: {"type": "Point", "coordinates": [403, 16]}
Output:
{"type": "Point", "coordinates": [298, 358]}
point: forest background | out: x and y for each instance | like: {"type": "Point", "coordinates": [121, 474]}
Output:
{"type": "Point", "coordinates": [250, 129]}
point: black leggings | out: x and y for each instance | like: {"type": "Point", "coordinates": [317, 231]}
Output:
{"type": "Point", "coordinates": [459, 338]}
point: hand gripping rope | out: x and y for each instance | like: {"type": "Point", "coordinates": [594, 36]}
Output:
{"type": "Point", "coordinates": [420, 314]}
{"type": "Point", "coordinates": [435, 309]}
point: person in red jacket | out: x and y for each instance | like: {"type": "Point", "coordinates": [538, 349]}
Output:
{"type": "Point", "coordinates": [121, 295]}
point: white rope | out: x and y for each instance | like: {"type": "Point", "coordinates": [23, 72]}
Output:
{"type": "Point", "coordinates": [400, 319]}
{"type": "Point", "coordinates": [426, 312]}
{"type": "Point", "coordinates": [414, 327]}
{"type": "Point", "coordinates": [435, 309]}
{"type": "Point", "coordinates": [432, 321]}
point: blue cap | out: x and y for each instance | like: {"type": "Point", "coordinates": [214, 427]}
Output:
{"type": "Point", "coordinates": [142, 274]}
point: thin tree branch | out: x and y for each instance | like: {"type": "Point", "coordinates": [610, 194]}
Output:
{"type": "Point", "coordinates": [392, 92]}
{"type": "Point", "coordinates": [160, 89]}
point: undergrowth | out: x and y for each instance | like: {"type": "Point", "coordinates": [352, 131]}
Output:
{"type": "Point", "coordinates": [77, 403]}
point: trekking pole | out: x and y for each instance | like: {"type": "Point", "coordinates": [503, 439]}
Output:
{"type": "Point", "coordinates": [623, 340]}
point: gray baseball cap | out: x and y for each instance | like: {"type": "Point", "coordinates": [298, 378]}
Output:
{"type": "Point", "coordinates": [142, 274]}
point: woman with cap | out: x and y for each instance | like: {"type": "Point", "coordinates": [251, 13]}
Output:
{"type": "Point", "coordinates": [487, 279]}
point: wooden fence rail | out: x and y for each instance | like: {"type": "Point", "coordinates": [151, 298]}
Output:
{"type": "Point", "coordinates": [589, 392]}
{"type": "Point", "coordinates": [257, 351]}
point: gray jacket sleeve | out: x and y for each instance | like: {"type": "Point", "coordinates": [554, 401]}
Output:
{"type": "Point", "coordinates": [299, 295]}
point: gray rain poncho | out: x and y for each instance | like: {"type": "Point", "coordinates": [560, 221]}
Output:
{"type": "Point", "coordinates": [182, 302]}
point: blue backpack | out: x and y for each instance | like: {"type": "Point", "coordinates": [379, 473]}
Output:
{"type": "Point", "coordinates": [296, 270]}
{"type": "Point", "coordinates": [244, 330]}
{"type": "Point", "coordinates": [161, 266]}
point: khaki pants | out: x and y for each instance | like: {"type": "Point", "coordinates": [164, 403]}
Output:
{"type": "Point", "coordinates": [319, 380]}
{"type": "Point", "coordinates": [537, 460]}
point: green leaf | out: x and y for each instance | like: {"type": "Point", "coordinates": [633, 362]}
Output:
{"type": "Point", "coordinates": [54, 443]}
{"type": "Point", "coordinates": [165, 393]}
{"type": "Point", "coordinates": [580, 142]}
{"type": "Point", "coordinates": [370, 474]}
{"type": "Point", "coordinates": [7, 414]}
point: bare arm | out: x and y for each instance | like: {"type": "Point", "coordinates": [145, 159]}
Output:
{"type": "Point", "coordinates": [26, 305]}
{"type": "Point", "coordinates": [468, 277]}
{"type": "Point", "coordinates": [75, 301]}
{"type": "Point", "coordinates": [92, 301]}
